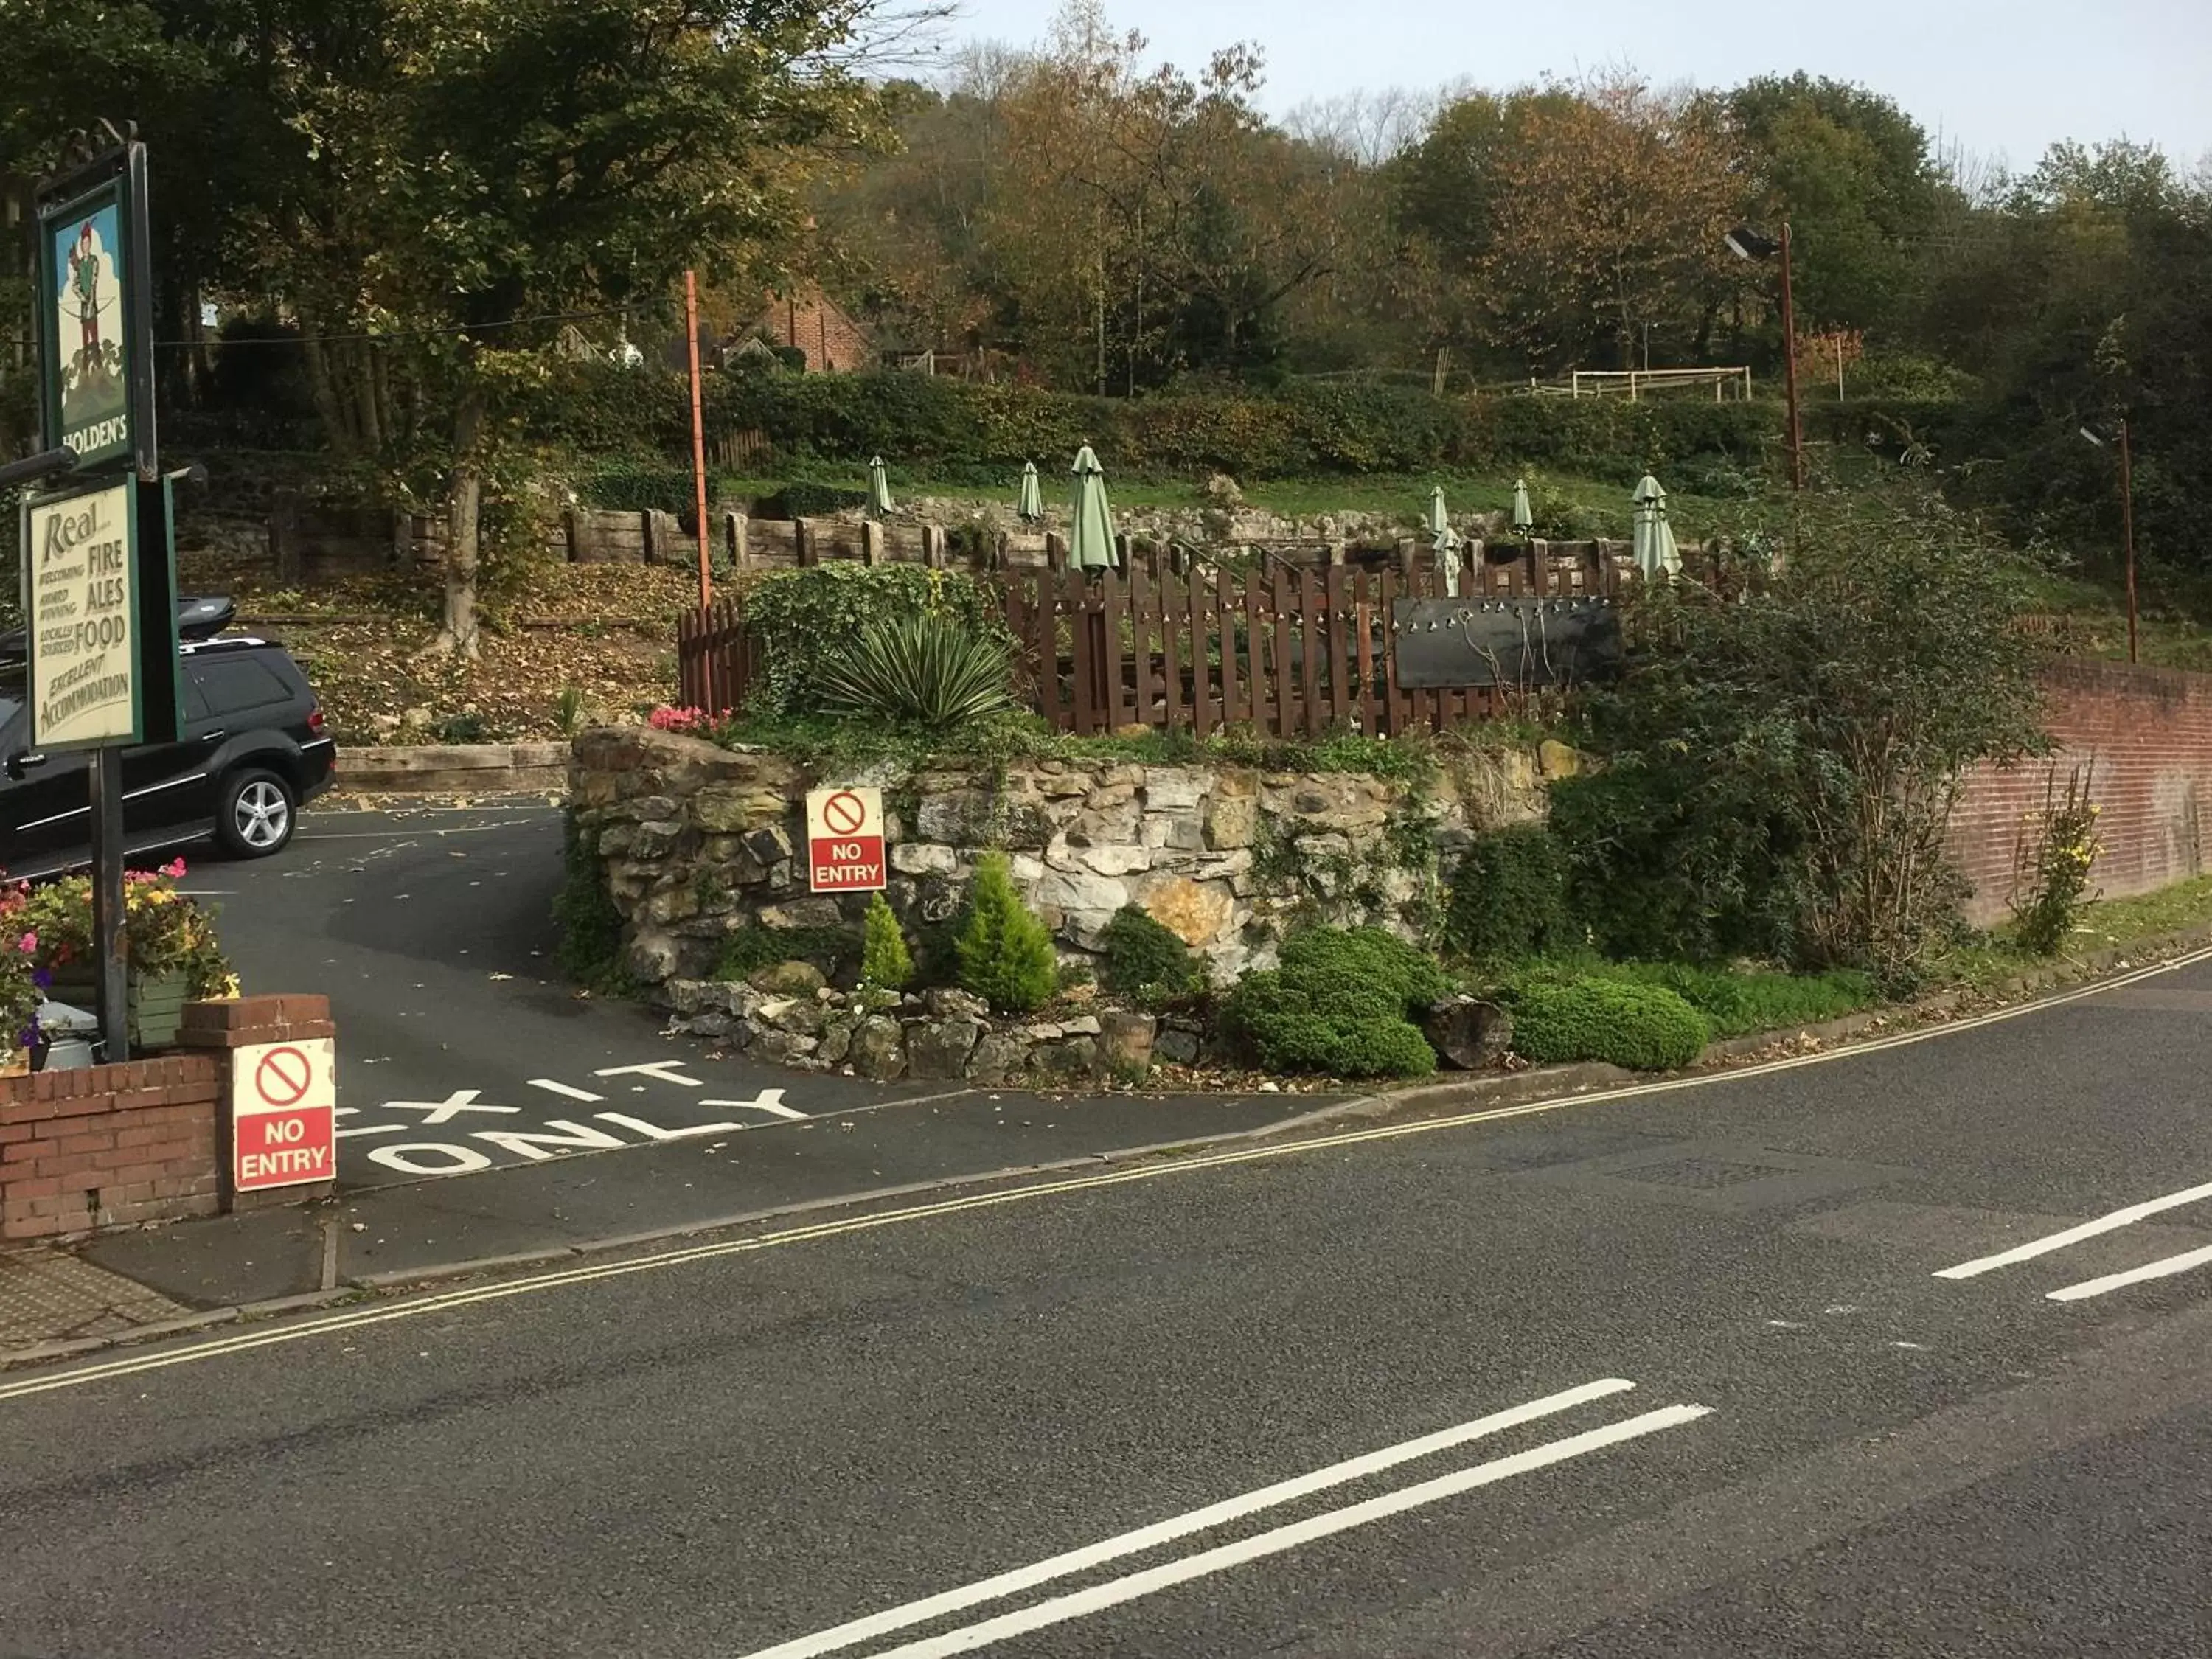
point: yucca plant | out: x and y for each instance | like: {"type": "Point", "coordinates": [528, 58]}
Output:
{"type": "Point", "coordinates": [921, 669]}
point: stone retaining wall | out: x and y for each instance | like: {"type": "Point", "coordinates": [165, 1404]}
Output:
{"type": "Point", "coordinates": [697, 842]}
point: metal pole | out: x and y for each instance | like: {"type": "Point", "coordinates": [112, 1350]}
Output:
{"type": "Point", "coordinates": [105, 778]}
{"type": "Point", "coordinates": [698, 437]}
{"type": "Point", "coordinates": [1790, 368]}
{"type": "Point", "coordinates": [2128, 530]}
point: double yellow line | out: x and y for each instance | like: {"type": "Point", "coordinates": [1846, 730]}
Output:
{"type": "Point", "coordinates": [443, 1301]}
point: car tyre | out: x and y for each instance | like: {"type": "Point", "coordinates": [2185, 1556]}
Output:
{"type": "Point", "coordinates": [259, 809]}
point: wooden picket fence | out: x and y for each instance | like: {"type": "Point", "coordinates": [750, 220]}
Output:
{"type": "Point", "coordinates": [1288, 652]}
{"type": "Point", "coordinates": [715, 657]}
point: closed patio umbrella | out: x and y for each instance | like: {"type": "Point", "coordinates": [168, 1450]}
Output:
{"type": "Point", "coordinates": [1524, 520]}
{"type": "Point", "coordinates": [1653, 540]}
{"type": "Point", "coordinates": [1029, 504]}
{"type": "Point", "coordinates": [880, 487]}
{"type": "Point", "coordinates": [1444, 541]}
{"type": "Point", "coordinates": [1090, 539]}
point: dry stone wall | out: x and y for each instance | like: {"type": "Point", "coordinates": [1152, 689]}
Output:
{"type": "Point", "coordinates": [697, 842]}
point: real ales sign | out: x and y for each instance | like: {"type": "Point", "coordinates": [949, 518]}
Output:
{"type": "Point", "coordinates": [79, 555]}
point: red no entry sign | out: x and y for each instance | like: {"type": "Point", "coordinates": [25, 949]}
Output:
{"type": "Point", "coordinates": [845, 840]}
{"type": "Point", "coordinates": [284, 1114]}
{"type": "Point", "coordinates": [283, 1077]}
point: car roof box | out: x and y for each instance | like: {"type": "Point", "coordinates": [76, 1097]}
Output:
{"type": "Point", "coordinates": [203, 618]}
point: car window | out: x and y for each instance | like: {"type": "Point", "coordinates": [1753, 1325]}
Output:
{"type": "Point", "coordinates": [11, 694]}
{"type": "Point", "coordinates": [231, 684]}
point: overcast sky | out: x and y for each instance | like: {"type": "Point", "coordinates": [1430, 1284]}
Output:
{"type": "Point", "coordinates": [2000, 76]}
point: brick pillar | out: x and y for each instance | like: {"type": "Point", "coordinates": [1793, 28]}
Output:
{"type": "Point", "coordinates": [220, 1027]}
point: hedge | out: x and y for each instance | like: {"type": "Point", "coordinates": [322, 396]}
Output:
{"type": "Point", "coordinates": [949, 429]}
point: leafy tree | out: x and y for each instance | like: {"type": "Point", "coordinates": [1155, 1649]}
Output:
{"type": "Point", "coordinates": [1781, 769]}
{"type": "Point", "coordinates": [427, 184]}
{"type": "Point", "coordinates": [1852, 173]}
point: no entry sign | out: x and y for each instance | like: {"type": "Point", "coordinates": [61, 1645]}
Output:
{"type": "Point", "coordinates": [283, 1101]}
{"type": "Point", "coordinates": [844, 840]}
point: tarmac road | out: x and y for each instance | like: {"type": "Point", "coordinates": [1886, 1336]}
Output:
{"type": "Point", "coordinates": [1900, 1353]}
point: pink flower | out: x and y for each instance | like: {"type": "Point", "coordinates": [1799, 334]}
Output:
{"type": "Point", "coordinates": [27, 943]}
{"type": "Point", "coordinates": [175, 869]}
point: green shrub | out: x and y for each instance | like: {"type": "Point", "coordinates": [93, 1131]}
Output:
{"type": "Point", "coordinates": [1780, 765]}
{"type": "Point", "coordinates": [1338, 1006]}
{"type": "Point", "coordinates": [886, 963]}
{"type": "Point", "coordinates": [1509, 897]}
{"type": "Point", "coordinates": [753, 947]}
{"type": "Point", "coordinates": [1146, 963]}
{"type": "Point", "coordinates": [1321, 959]}
{"type": "Point", "coordinates": [1004, 953]}
{"type": "Point", "coordinates": [918, 670]}
{"type": "Point", "coordinates": [1737, 1002]}
{"type": "Point", "coordinates": [806, 621]}
{"type": "Point", "coordinates": [955, 430]}
{"type": "Point", "coordinates": [589, 948]}
{"type": "Point", "coordinates": [1347, 1031]}
{"type": "Point", "coordinates": [1645, 1028]}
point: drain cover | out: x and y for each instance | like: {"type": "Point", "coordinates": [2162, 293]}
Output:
{"type": "Point", "coordinates": [1703, 1174]}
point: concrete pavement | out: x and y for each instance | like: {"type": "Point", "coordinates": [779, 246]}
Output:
{"type": "Point", "coordinates": [1356, 1394]}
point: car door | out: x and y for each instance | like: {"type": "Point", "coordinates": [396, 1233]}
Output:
{"type": "Point", "coordinates": [166, 789]}
{"type": "Point", "coordinates": [46, 820]}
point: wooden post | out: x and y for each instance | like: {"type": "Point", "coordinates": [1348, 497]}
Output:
{"type": "Point", "coordinates": [698, 438]}
{"type": "Point", "coordinates": [871, 542]}
{"type": "Point", "coordinates": [740, 533]}
{"type": "Point", "coordinates": [802, 543]}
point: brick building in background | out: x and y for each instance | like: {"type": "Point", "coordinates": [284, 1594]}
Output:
{"type": "Point", "coordinates": [817, 325]}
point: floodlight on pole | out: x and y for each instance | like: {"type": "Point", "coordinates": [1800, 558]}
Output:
{"type": "Point", "coordinates": [2127, 517]}
{"type": "Point", "coordinates": [1757, 248]}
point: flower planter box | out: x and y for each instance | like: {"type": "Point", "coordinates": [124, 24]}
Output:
{"type": "Point", "coordinates": [156, 1006]}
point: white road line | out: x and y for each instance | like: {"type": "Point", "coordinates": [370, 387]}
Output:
{"type": "Point", "coordinates": [552, 1087]}
{"type": "Point", "coordinates": [1181, 1526]}
{"type": "Point", "coordinates": [1077, 1604]}
{"type": "Point", "coordinates": [2103, 1223]}
{"type": "Point", "coordinates": [2162, 1269]}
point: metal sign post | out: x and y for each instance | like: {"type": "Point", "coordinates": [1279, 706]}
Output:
{"type": "Point", "coordinates": [97, 559]}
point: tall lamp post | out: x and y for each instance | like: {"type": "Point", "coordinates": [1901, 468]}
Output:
{"type": "Point", "coordinates": [2127, 518]}
{"type": "Point", "coordinates": [1748, 244]}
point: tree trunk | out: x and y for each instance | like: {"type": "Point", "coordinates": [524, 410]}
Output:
{"type": "Point", "coordinates": [465, 496]}
{"type": "Point", "coordinates": [337, 430]}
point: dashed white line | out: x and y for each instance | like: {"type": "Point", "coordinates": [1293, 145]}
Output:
{"type": "Point", "coordinates": [1079, 1603]}
{"type": "Point", "coordinates": [2059, 1241]}
{"type": "Point", "coordinates": [1181, 1526]}
{"type": "Point", "coordinates": [2165, 1268]}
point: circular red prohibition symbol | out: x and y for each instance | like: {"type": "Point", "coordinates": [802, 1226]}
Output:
{"type": "Point", "coordinates": [844, 812]}
{"type": "Point", "coordinates": [283, 1077]}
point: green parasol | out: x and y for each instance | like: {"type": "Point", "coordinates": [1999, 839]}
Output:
{"type": "Point", "coordinates": [1090, 539]}
{"type": "Point", "coordinates": [1654, 537]}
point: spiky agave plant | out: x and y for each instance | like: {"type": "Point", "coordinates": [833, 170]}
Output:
{"type": "Point", "coordinates": [921, 669]}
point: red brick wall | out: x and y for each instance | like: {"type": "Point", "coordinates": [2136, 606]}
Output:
{"type": "Point", "coordinates": [832, 341]}
{"type": "Point", "coordinates": [108, 1145]}
{"type": "Point", "coordinates": [148, 1141]}
{"type": "Point", "coordinates": [2148, 733]}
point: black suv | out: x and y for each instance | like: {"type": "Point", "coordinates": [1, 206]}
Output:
{"type": "Point", "coordinates": [254, 750]}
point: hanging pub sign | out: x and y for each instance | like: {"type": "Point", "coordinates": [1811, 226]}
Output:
{"type": "Point", "coordinates": [95, 315]}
